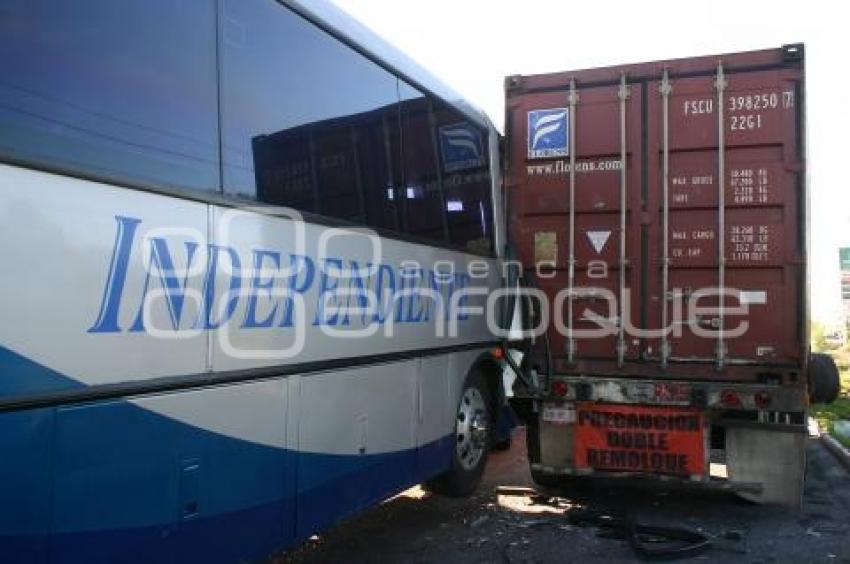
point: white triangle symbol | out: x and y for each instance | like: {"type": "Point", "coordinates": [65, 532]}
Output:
{"type": "Point", "coordinates": [598, 239]}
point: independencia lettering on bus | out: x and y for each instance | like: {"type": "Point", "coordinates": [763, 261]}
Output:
{"type": "Point", "coordinates": [399, 294]}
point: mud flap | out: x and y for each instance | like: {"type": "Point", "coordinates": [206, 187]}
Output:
{"type": "Point", "coordinates": [775, 459]}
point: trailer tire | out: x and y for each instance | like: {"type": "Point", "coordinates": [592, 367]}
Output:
{"type": "Point", "coordinates": [824, 380]}
{"type": "Point", "coordinates": [471, 440]}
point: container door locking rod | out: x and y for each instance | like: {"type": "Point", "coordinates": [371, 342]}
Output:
{"type": "Point", "coordinates": [571, 342]}
{"type": "Point", "coordinates": [665, 90]}
{"type": "Point", "coordinates": [720, 84]}
{"type": "Point", "coordinates": [623, 95]}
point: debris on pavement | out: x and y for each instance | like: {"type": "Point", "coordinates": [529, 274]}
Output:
{"type": "Point", "coordinates": [651, 542]}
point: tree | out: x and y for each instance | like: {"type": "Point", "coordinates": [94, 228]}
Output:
{"type": "Point", "coordinates": [818, 340]}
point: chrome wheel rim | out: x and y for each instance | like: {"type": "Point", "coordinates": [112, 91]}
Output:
{"type": "Point", "coordinates": [471, 434]}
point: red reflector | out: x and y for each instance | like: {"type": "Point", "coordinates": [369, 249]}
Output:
{"type": "Point", "coordinates": [762, 399]}
{"type": "Point", "coordinates": [730, 398]}
{"type": "Point", "coordinates": [559, 388]}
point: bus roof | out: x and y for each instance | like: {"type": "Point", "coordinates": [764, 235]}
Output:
{"type": "Point", "coordinates": [339, 23]}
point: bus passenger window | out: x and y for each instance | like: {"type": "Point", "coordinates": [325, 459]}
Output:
{"type": "Point", "coordinates": [422, 204]}
{"type": "Point", "coordinates": [123, 90]}
{"type": "Point", "coordinates": [465, 171]}
{"type": "Point", "coordinates": [307, 121]}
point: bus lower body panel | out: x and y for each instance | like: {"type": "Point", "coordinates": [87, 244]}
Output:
{"type": "Point", "coordinates": [218, 474]}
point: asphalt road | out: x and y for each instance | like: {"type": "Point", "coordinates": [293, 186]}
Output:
{"type": "Point", "coordinates": [507, 520]}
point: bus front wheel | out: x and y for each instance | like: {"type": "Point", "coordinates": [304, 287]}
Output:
{"type": "Point", "coordinates": [473, 428]}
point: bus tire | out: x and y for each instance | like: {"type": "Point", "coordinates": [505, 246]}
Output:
{"type": "Point", "coordinates": [473, 427]}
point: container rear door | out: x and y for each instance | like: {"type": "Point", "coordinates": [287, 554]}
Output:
{"type": "Point", "coordinates": [602, 239]}
{"type": "Point", "coordinates": [740, 237]}
{"type": "Point", "coordinates": [712, 167]}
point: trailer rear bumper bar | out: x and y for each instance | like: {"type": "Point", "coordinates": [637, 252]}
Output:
{"type": "Point", "coordinates": [660, 480]}
{"type": "Point", "coordinates": [763, 398]}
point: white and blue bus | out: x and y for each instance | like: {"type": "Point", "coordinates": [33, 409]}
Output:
{"type": "Point", "coordinates": [245, 250]}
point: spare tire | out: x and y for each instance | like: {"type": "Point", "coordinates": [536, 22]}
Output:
{"type": "Point", "coordinates": [824, 382]}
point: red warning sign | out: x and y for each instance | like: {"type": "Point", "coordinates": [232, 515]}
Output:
{"type": "Point", "coordinates": [634, 438]}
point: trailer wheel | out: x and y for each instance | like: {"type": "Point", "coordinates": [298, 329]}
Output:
{"type": "Point", "coordinates": [824, 381]}
{"type": "Point", "coordinates": [471, 441]}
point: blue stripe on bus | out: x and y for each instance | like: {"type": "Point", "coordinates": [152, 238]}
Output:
{"type": "Point", "coordinates": [123, 483]}
{"type": "Point", "coordinates": [19, 376]}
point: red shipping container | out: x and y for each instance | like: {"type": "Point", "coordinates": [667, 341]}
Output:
{"type": "Point", "coordinates": [666, 185]}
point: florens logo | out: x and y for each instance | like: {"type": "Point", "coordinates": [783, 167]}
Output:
{"type": "Point", "coordinates": [461, 147]}
{"type": "Point", "coordinates": [548, 133]}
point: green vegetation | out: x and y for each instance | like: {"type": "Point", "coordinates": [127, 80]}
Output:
{"type": "Point", "coordinates": [823, 341]}
{"type": "Point", "coordinates": [818, 337]}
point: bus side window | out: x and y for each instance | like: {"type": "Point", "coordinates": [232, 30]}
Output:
{"type": "Point", "coordinates": [423, 212]}
{"type": "Point", "coordinates": [446, 174]}
{"type": "Point", "coordinates": [107, 89]}
{"type": "Point", "coordinates": [306, 120]}
{"type": "Point", "coordinates": [465, 170]}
